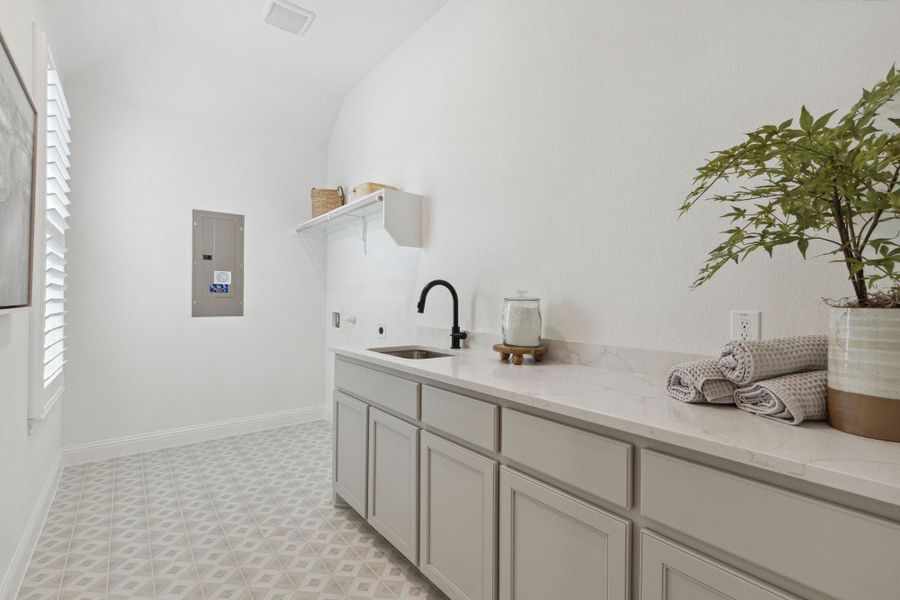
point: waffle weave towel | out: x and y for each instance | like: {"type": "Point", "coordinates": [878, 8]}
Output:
{"type": "Point", "coordinates": [747, 362]}
{"type": "Point", "coordinates": [700, 381]}
{"type": "Point", "coordinates": [791, 398]}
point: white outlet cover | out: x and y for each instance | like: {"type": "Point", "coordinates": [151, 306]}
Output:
{"type": "Point", "coordinates": [745, 325]}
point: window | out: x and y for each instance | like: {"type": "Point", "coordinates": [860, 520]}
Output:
{"type": "Point", "coordinates": [57, 222]}
{"type": "Point", "coordinates": [48, 356]}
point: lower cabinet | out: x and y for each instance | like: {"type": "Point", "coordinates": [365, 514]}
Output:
{"type": "Point", "coordinates": [393, 499]}
{"type": "Point", "coordinates": [351, 422]}
{"type": "Point", "coordinates": [553, 545]}
{"type": "Point", "coordinates": [458, 520]}
{"type": "Point", "coordinates": [672, 572]}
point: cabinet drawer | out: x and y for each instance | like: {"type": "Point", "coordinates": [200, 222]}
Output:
{"type": "Point", "coordinates": [591, 462]}
{"type": "Point", "coordinates": [468, 419]}
{"type": "Point", "coordinates": [391, 392]}
{"type": "Point", "coordinates": [836, 551]}
{"type": "Point", "coordinates": [672, 572]}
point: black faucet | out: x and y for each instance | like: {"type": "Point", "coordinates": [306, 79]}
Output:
{"type": "Point", "coordinates": [455, 334]}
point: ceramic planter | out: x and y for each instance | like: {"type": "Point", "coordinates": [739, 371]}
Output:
{"type": "Point", "coordinates": [864, 372]}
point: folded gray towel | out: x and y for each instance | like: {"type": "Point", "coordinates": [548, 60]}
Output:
{"type": "Point", "coordinates": [700, 381]}
{"type": "Point", "coordinates": [790, 398]}
{"type": "Point", "coordinates": [746, 362]}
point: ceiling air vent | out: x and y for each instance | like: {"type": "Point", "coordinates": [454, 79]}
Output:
{"type": "Point", "coordinates": [287, 16]}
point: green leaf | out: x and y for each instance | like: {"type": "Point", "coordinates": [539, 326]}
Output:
{"type": "Point", "coordinates": [822, 121]}
{"type": "Point", "coordinates": [803, 244]}
{"type": "Point", "coordinates": [806, 120]}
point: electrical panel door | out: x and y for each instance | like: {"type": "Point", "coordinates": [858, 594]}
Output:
{"type": "Point", "coordinates": [218, 255]}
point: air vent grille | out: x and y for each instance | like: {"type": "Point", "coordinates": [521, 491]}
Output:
{"type": "Point", "coordinates": [288, 16]}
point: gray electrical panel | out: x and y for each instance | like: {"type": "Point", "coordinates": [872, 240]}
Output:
{"type": "Point", "coordinates": [218, 279]}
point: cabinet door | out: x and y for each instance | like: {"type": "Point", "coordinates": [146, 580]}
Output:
{"type": "Point", "coordinates": [394, 481]}
{"type": "Point", "coordinates": [553, 545]}
{"type": "Point", "coordinates": [351, 422]}
{"type": "Point", "coordinates": [458, 520]}
{"type": "Point", "coordinates": [672, 572]}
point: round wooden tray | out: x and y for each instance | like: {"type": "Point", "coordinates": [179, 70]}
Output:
{"type": "Point", "coordinates": [518, 353]}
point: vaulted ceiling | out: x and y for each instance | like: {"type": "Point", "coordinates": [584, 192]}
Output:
{"type": "Point", "coordinates": [203, 55]}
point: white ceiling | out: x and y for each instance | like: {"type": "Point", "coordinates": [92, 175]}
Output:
{"type": "Point", "coordinates": [184, 54]}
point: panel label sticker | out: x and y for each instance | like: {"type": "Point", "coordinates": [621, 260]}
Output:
{"type": "Point", "coordinates": [222, 277]}
{"type": "Point", "coordinates": [218, 288]}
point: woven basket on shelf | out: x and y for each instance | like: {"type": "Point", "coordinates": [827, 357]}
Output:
{"type": "Point", "coordinates": [325, 200]}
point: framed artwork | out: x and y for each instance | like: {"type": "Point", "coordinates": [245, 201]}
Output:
{"type": "Point", "coordinates": [18, 144]}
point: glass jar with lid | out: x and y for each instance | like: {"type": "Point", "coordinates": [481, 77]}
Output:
{"type": "Point", "coordinates": [521, 322]}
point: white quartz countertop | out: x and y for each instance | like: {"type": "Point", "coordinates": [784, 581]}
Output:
{"type": "Point", "coordinates": [616, 394]}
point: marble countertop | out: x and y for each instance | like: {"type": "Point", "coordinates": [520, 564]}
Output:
{"type": "Point", "coordinates": [624, 389]}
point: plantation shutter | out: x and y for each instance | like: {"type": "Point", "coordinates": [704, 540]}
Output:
{"type": "Point", "coordinates": [57, 222]}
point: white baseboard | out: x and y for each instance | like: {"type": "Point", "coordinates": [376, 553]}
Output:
{"type": "Point", "coordinates": [168, 438]}
{"type": "Point", "coordinates": [18, 565]}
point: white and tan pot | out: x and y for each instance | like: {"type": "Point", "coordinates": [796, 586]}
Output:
{"type": "Point", "coordinates": [864, 372]}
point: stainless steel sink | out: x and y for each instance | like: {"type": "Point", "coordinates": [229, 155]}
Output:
{"type": "Point", "coordinates": [411, 352]}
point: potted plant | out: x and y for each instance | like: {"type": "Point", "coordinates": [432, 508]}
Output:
{"type": "Point", "coordinates": [833, 184]}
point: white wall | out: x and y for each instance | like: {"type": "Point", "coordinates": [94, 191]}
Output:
{"type": "Point", "coordinates": [138, 362]}
{"type": "Point", "coordinates": [556, 141]}
{"type": "Point", "coordinates": [27, 459]}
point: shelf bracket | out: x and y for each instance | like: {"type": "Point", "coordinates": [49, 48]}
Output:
{"type": "Point", "coordinates": [364, 234]}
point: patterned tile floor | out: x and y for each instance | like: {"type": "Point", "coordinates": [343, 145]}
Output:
{"type": "Point", "coordinates": [246, 517]}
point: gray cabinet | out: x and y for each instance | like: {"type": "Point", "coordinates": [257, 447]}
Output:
{"type": "Point", "coordinates": [458, 520]}
{"type": "Point", "coordinates": [394, 481]}
{"type": "Point", "coordinates": [351, 423]}
{"type": "Point", "coordinates": [553, 545]}
{"type": "Point", "coordinates": [672, 572]}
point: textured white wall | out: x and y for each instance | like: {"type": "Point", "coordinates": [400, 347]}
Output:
{"type": "Point", "coordinates": [556, 140]}
{"type": "Point", "coordinates": [26, 458]}
{"type": "Point", "coordinates": [138, 362]}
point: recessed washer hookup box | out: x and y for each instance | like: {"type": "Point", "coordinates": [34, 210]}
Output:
{"type": "Point", "coordinates": [217, 288]}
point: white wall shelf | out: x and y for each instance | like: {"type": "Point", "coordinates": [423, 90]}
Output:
{"type": "Point", "coordinates": [400, 213]}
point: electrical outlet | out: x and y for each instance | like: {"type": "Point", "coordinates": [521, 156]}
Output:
{"type": "Point", "coordinates": [745, 325]}
{"type": "Point", "coordinates": [335, 321]}
{"type": "Point", "coordinates": [381, 331]}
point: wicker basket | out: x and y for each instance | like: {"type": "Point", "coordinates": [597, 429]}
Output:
{"type": "Point", "coordinates": [325, 200]}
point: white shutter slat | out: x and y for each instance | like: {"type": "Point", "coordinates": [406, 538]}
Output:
{"type": "Point", "coordinates": [53, 351]}
{"type": "Point", "coordinates": [57, 221]}
{"type": "Point", "coordinates": [54, 140]}
{"type": "Point", "coordinates": [54, 336]}
{"type": "Point", "coordinates": [57, 111]}
{"type": "Point", "coordinates": [55, 246]}
{"type": "Point", "coordinates": [54, 187]}
{"type": "Point", "coordinates": [54, 172]}
{"type": "Point", "coordinates": [62, 198]}
{"type": "Point", "coordinates": [55, 90]}
{"type": "Point", "coordinates": [52, 368]}
{"type": "Point", "coordinates": [48, 379]}
{"type": "Point", "coordinates": [54, 322]}
{"type": "Point", "coordinates": [54, 204]}
{"type": "Point", "coordinates": [54, 307]}
{"type": "Point", "coordinates": [56, 263]}
{"type": "Point", "coordinates": [54, 277]}
{"type": "Point", "coordinates": [55, 155]}
{"type": "Point", "coordinates": [58, 170]}
{"type": "Point", "coordinates": [55, 124]}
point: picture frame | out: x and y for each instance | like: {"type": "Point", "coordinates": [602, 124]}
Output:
{"type": "Point", "coordinates": [18, 185]}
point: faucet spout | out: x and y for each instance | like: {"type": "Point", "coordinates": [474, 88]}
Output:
{"type": "Point", "coordinates": [455, 334]}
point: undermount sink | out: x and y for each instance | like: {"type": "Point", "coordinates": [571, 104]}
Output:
{"type": "Point", "coordinates": [411, 352]}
